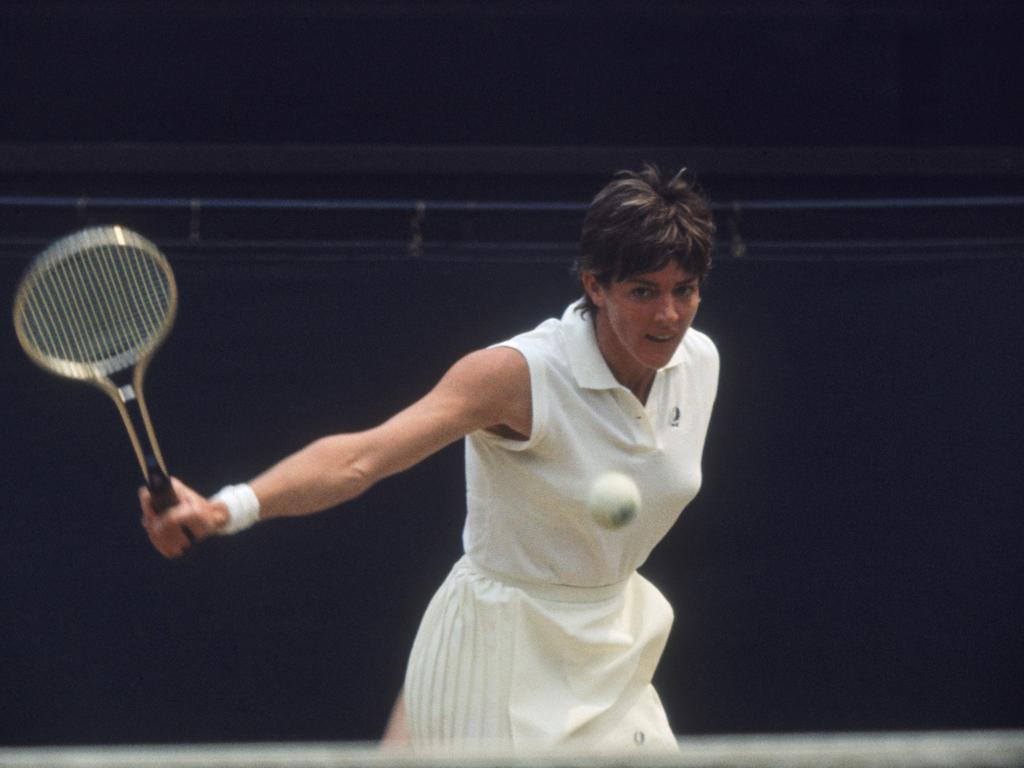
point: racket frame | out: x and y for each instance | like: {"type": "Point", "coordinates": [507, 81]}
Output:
{"type": "Point", "coordinates": [128, 395]}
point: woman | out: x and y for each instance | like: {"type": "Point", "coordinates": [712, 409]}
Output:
{"type": "Point", "coordinates": [543, 634]}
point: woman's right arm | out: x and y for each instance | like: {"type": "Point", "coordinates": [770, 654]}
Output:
{"type": "Point", "coordinates": [488, 388]}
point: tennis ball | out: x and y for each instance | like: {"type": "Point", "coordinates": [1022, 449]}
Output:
{"type": "Point", "coordinates": [614, 500]}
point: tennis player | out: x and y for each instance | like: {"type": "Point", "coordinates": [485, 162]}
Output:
{"type": "Point", "coordinates": [543, 634]}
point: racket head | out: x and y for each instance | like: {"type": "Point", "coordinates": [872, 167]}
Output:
{"type": "Point", "coordinates": [95, 303]}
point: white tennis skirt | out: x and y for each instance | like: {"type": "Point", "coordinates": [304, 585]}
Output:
{"type": "Point", "coordinates": [534, 666]}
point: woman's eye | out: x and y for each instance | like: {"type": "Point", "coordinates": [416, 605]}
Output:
{"type": "Point", "coordinates": [641, 293]}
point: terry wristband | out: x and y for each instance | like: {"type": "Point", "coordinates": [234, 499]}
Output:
{"type": "Point", "coordinates": [243, 507]}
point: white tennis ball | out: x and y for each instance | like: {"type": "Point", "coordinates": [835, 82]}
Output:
{"type": "Point", "coordinates": [614, 500]}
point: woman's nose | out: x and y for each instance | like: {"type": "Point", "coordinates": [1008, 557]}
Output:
{"type": "Point", "coordinates": [668, 311]}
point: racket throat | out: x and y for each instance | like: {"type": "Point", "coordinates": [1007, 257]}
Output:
{"type": "Point", "coordinates": [126, 392]}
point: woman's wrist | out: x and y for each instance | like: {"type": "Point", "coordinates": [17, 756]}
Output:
{"type": "Point", "coordinates": [243, 507]}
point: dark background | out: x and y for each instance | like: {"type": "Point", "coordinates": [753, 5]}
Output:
{"type": "Point", "coordinates": [854, 561]}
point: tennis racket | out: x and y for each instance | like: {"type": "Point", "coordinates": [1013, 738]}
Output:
{"type": "Point", "coordinates": [95, 306]}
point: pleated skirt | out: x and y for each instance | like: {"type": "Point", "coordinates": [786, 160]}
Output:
{"type": "Point", "coordinates": [499, 664]}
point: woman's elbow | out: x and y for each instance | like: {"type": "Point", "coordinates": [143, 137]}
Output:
{"type": "Point", "coordinates": [348, 470]}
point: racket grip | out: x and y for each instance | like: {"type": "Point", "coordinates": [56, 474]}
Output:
{"type": "Point", "coordinates": [160, 488]}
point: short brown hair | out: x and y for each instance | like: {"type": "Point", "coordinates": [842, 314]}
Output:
{"type": "Point", "coordinates": [640, 222]}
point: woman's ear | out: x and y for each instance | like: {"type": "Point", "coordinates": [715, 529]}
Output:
{"type": "Point", "coordinates": [593, 288]}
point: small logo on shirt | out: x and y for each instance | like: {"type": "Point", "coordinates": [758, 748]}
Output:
{"type": "Point", "coordinates": [676, 413]}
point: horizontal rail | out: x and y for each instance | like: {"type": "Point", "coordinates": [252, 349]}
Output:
{"type": "Point", "coordinates": [482, 206]}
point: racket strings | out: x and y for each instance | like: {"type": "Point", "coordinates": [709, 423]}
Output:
{"type": "Point", "coordinates": [98, 304]}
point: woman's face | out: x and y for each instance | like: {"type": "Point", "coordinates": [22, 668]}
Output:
{"type": "Point", "coordinates": [641, 320]}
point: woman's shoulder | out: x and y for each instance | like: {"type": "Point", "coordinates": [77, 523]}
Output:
{"type": "Point", "coordinates": [700, 345]}
{"type": "Point", "coordinates": [543, 341]}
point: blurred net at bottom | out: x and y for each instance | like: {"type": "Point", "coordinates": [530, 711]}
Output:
{"type": "Point", "coordinates": [970, 749]}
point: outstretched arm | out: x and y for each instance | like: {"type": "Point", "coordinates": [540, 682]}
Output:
{"type": "Point", "coordinates": [486, 389]}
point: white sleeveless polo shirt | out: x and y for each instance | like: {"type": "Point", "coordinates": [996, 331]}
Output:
{"type": "Point", "coordinates": [526, 499]}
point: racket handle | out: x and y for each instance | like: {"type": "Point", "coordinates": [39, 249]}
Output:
{"type": "Point", "coordinates": [162, 492]}
{"type": "Point", "coordinates": [160, 488]}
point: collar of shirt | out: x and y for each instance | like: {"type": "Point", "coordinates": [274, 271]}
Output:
{"type": "Point", "coordinates": [585, 359]}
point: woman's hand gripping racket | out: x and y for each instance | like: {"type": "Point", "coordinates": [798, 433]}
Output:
{"type": "Point", "coordinates": [95, 306]}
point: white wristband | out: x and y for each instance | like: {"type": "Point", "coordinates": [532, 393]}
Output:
{"type": "Point", "coordinates": [243, 507]}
